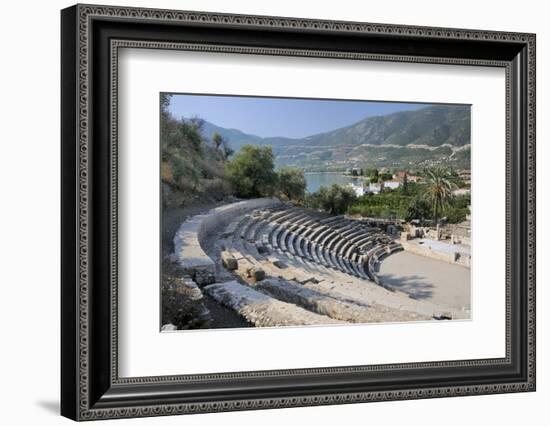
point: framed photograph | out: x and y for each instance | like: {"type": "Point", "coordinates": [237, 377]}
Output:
{"type": "Point", "coordinates": [263, 212]}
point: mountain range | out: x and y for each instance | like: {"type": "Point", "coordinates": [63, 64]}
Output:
{"type": "Point", "coordinates": [416, 138]}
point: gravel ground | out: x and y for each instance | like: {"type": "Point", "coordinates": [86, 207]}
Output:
{"type": "Point", "coordinates": [428, 279]}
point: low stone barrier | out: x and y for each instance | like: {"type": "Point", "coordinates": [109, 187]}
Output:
{"type": "Point", "coordinates": [315, 301]}
{"type": "Point", "coordinates": [261, 309]}
{"type": "Point", "coordinates": [229, 261]}
{"type": "Point", "coordinates": [450, 257]}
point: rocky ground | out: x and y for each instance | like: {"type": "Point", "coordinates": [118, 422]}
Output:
{"type": "Point", "coordinates": [179, 308]}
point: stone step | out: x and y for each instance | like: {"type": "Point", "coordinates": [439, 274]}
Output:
{"type": "Point", "coordinates": [315, 301]}
{"type": "Point", "coordinates": [311, 248]}
{"type": "Point", "coordinates": [289, 214]}
{"type": "Point", "coordinates": [290, 243]}
{"type": "Point", "coordinates": [230, 229]}
{"type": "Point", "coordinates": [320, 253]}
{"type": "Point", "coordinates": [331, 219]}
{"type": "Point", "coordinates": [351, 231]}
{"type": "Point", "coordinates": [263, 310]}
{"type": "Point", "coordinates": [359, 235]}
{"type": "Point", "coordinates": [281, 240]}
{"type": "Point", "coordinates": [356, 269]}
{"type": "Point", "coordinates": [260, 230]}
{"type": "Point", "coordinates": [250, 232]}
{"type": "Point", "coordinates": [298, 246]}
{"type": "Point", "coordinates": [278, 214]}
{"type": "Point", "coordinates": [332, 240]}
{"type": "Point", "coordinates": [314, 235]}
{"type": "Point", "coordinates": [242, 226]}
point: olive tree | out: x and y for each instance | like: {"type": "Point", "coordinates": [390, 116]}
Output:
{"type": "Point", "coordinates": [251, 172]}
{"type": "Point", "coordinates": [291, 183]}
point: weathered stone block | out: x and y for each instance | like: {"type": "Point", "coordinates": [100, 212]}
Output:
{"type": "Point", "coordinates": [228, 261]}
{"type": "Point", "coordinates": [278, 264]}
{"type": "Point", "coordinates": [256, 273]}
{"type": "Point", "coordinates": [204, 277]}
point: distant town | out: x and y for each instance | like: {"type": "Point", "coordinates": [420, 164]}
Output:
{"type": "Point", "coordinates": [374, 181]}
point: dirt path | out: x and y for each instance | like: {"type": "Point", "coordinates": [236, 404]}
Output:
{"type": "Point", "coordinates": [172, 219]}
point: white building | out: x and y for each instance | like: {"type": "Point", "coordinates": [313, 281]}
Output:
{"type": "Point", "coordinates": [358, 189]}
{"type": "Point", "coordinates": [392, 184]}
{"type": "Point", "coordinates": [375, 188]}
{"type": "Point", "coordinates": [462, 191]}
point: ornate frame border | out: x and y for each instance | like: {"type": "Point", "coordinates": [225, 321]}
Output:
{"type": "Point", "coordinates": [116, 45]}
{"type": "Point", "coordinates": [84, 14]}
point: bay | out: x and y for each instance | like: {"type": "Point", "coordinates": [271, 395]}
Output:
{"type": "Point", "coordinates": [314, 180]}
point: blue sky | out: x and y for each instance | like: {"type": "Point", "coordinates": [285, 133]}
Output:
{"type": "Point", "coordinates": [295, 118]}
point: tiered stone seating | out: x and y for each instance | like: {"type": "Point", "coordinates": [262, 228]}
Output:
{"type": "Point", "coordinates": [312, 238]}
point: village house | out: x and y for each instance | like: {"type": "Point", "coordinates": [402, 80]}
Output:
{"type": "Point", "coordinates": [392, 184]}
{"type": "Point", "coordinates": [461, 191]}
{"type": "Point", "coordinates": [375, 188]}
{"type": "Point", "coordinates": [401, 175]}
{"type": "Point", "coordinates": [358, 189]}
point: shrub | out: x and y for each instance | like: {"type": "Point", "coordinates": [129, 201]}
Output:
{"type": "Point", "coordinates": [335, 199]}
{"type": "Point", "coordinates": [419, 209]}
{"type": "Point", "coordinates": [455, 214]}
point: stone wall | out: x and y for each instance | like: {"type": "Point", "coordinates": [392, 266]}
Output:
{"type": "Point", "coordinates": [453, 257]}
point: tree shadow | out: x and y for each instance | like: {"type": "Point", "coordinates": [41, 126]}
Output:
{"type": "Point", "coordinates": [416, 286]}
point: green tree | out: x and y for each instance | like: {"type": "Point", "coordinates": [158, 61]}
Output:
{"type": "Point", "coordinates": [187, 135]}
{"type": "Point", "coordinates": [335, 199]}
{"type": "Point", "coordinates": [251, 172]}
{"type": "Point", "coordinates": [372, 174]}
{"type": "Point", "coordinates": [461, 201]}
{"type": "Point", "coordinates": [419, 209]}
{"type": "Point", "coordinates": [439, 189]}
{"type": "Point", "coordinates": [291, 183]}
{"type": "Point", "coordinates": [455, 214]}
{"type": "Point", "coordinates": [405, 184]}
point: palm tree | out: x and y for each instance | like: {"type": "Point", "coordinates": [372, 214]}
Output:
{"type": "Point", "coordinates": [440, 189]}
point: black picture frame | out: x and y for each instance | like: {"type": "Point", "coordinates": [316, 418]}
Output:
{"type": "Point", "coordinates": [90, 386]}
